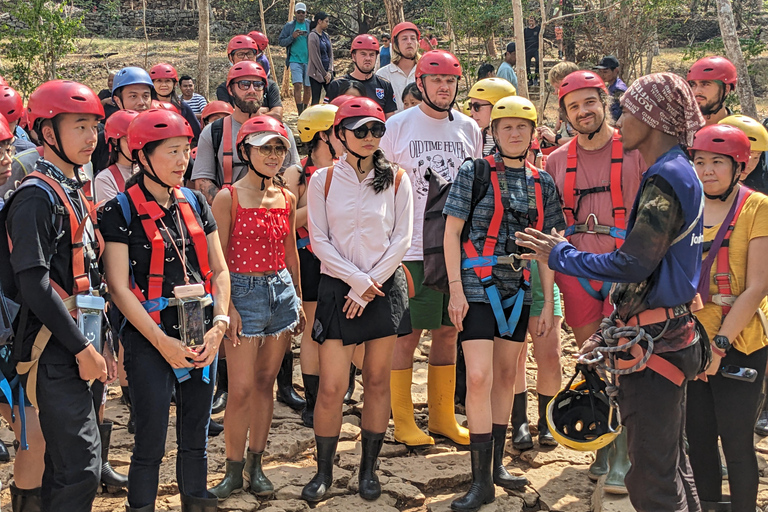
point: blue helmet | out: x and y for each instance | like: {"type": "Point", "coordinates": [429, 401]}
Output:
{"type": "Point", "coordinates": [131, 76]}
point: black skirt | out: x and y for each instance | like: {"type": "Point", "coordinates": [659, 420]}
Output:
{"type": "Point", "coordinates": [310, 275]}
{"type": "Point", "coordinates": [382, 317]}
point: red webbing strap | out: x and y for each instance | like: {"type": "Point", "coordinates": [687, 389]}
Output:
{"type": "Point", "coordinates": [723, 272]}
{"type": "Point", "coordinates": [81, 282]}
{"type": "Point", "coordinates": [197, 234]}
{"type": "Point", "coordinates": [655, 363]}
{"type": "Point", "coordinates": [569, 187]}
{"type": "Point", "coordinates": [88, 191]}
{"type": "Point", "coordinates": [227, 141]}
{"type": "Point", "coordinates": [328, 179]}
{"type": "Point", "coordinates": [492, 237]}
{"type": "Point", "coordinates": [149, 212]}
{"type": "Point", "coordinates": [118, 177]}
{"type": "Point", "coordinates": [617, 198]}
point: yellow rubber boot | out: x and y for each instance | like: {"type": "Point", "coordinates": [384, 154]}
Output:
{"type": "Point", "coordinates": [406, 430]}
{"type": "Point", "coordinates": [441, 384]}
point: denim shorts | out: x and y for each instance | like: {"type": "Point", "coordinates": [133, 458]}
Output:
{"type": "Point", "coordinates": [299, 73]}
{"type": "Point", "coordinates": [268, 305]}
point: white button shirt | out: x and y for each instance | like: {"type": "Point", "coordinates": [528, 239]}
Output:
{"type": "Point", "coordinates": [359, 236]}
{"type": "Point", "coordinates": [399, 81]}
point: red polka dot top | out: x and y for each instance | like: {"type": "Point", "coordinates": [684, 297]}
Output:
{"type": "Point", "coordinates": [257, 243]}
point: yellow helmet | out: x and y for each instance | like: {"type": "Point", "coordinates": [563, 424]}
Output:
{"type": "Point", "coordinates": [465, 108]}
{"type": "Point", "coordinates": [317, 118]}
{"type": "Point", "coordinates": [580, 416]}
{"type": "Point", "coordinates": [492, 90]}
{"type": "Point", "coordinates": [755, 132]}
{"type": "Point", "coordinates": [514, 106]}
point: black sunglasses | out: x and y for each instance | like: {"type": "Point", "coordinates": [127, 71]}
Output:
{"type": "Point", "coordinates": [477, 106]}
{"type": "Point", "coordinates": [244, 85]}
{"type": "Point", "coordinates": [377, 130]}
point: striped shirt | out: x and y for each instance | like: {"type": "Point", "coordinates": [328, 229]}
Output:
{"type": "Point", "coordinates": [519, 199]}
{"type": "Point", "coordinates": [197, 103]}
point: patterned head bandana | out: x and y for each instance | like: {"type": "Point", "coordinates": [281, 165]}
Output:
{"type": "Point", "coordinates": [665, 102]}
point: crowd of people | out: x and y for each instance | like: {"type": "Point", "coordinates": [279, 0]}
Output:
{"type": "Point", "coordinates": [178, 245]}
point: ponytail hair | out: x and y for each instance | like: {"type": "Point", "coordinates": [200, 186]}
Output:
{"type": "Point", "coordinates": [383, 172]}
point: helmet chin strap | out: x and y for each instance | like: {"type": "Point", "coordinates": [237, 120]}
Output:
{"type": "Point", "coordinates": [735, 181]}
{"type": "Point", "coordinates": [153, 175]}
{"type": "Point", "coordinates": [521, 157]}
{"type": "Point", "coordinates": [709, 111]}
{"type": "Point", "coordinates": [60, 152]}
{"type": "Point", "coordinates": [359, 157]}
{"type": "Point", "coordinates": [435, 107]}
{"type": "Point", "coordinates": [263, 177]}
{"type": "Point", "coordinates": [330, 146]}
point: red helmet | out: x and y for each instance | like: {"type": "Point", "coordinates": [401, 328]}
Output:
{"type": "Point", "coordinates": [5, 130]}
{"type": "Point", "coordinates": [216, 107]}
{"type": "Point", "coordinates": [582, 79]}
{"type": "Point", "coordinates": [11, 104]}
{"type": "Point", "coordinates": [722, 139]}
{"type": "Point", "coordinates": [116, 126]}
{"type": "Point", "coordinates": [241, 43]}
{"type": "Point", "coordinates": [262, 124]}
{"type": "Point", "coordinates": [244, 69]}
{"type": "Point", "coordinates": [163, 71]}
{"type": "Point", "coordinates": [365, 42]}
{"type": "Point", "coordinates": [62, 97]}
{"type": "Point", "coordinates": [714, 68]}
{"type": "Point", "coordinates": [165, 105]}
{"type": "Point", "coordinates": [260, 39]}
{"type": "Point", "coordinates": [402, 27]}
{"type": "Point", "coordinates": [359, 107]}
{"type": "Point", "coordinates": [339, 100]}
{"type": "Point", "coordinates": [153, 125]}
{"type": "Point", "coordinates": [438, 62]}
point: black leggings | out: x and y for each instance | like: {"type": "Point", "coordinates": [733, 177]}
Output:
{"type": "Point", "coordinates": [726, 408]}
{"type": "Point", "coordinates": [317, 89]}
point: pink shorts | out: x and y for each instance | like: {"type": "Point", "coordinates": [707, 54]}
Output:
{"type": "Point", "coordinates": [580, 307]}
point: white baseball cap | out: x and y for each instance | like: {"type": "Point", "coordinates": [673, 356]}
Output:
{"type": "Point", "coordinates": [301, 6]}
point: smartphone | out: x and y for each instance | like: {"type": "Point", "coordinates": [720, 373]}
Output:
{"type": "Point", "coordinates": [191, 322]}
{"type": "Point", "coordinates": [739, 373]}
{"type": "Point", "coordinates": [90, 309]}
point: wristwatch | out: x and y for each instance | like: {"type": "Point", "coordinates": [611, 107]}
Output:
{"type": "Point", "coordinates": [223, 318]}
{"type": "Point", "coordinates": [721, 342]}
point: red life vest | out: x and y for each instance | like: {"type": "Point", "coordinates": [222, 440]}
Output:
{"type": "Point", "coordinates": [227, 164]}
{"type": "Point", "coordinates": [149, 212]}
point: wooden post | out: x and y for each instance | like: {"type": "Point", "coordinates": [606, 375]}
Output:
{"type": "Point", "coordinates": [203, 48]}
{"type": "Point", "coordinates": [733, 52]}
{"type": "Point", "coordinates": [395, 14]}
{"type": "Point", "coordinates": [264, 31]}
{"type": "Point", "coordinates": [520, 71]}
{"type": "Point", "coordinates": [285, 89]}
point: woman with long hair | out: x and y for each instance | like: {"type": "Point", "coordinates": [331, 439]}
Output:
{"type": "Point", "coordinates": [320, 67]}
{"type": "Point", "coordinates": [257, 217]}
{"type": "Point", "coordinates": [360, 226]}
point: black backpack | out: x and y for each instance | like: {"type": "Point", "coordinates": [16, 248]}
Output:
{"type": "Point", "coordinates": [435, 274]}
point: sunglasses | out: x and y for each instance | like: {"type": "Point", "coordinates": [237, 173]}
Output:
{"type": "Point", "coordinates": [244, 54]}
{"type": "Point", "coordinates": [477, 106]}
{"type": "Point", "coordinates": [377, 131]}
{"type": "Point", "coordinates": [301, 12]}
{"type": "Point", "coordinates": [244, 85]}
{"type": "Point", "coordinates": [267, 149]}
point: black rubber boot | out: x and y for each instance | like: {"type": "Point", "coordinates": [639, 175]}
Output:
{"type": "Point", "coordinates": [460, 394]}
{"type": "Point", "coordinates": [148, 508]}
{"type": "Point", "coordinates": [232, 481]}
{"type": "Point", "coordinates": [111, 480]}
{"type": "Point", "coordinates": [351, 389]}
{"type": "Point", "coordinates": [482, 491]}
{"type": "Point", "coordinates": [259, 484]}
{"type": "Point", "coordinates": [285, 391]}
{"type": "Point", "coordinates": [501, 476]}
{"type": "Point", "coordinates": [4, 455]}
{"type": "Point", "coordinates": [317, 488]}
{"type": "Point", "coordinates": [545, 436]}
{"type": "Point", "coordinates": [521, 436]}
{"type": "Point", "coordinates": [311, 386]}
{"type": "Point", "coordinates": [192, 504]}
{"type": "Point", "coordinates": [25, 500]}
{"type": "Point", "coordinates": [222, 387]}
{"type": "Point", "coordinates": [129, 404]}
{"type": "Point", "coordinates": [214, 429]}
{"type": "Point", "coordinates": [369, 486]}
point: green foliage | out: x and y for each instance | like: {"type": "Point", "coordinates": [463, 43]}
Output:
{"type": "Point", "coordinates": [751, 47]}
{"type": "Point", "coordinates": [32, 53]}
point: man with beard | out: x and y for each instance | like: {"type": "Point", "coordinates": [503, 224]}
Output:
{"type": "Point", "coordinates": [405, 53]}
{"type": "Point", "coordinates": [711, 80]}
{"type": "Point", "coordinates": [365, 50]}
{"type": "Point", "coordinates": [597, 180]}
{"type": "Point", "coordinates": [657, 271]}
{"type": "Point", "coordinates": [217, 165]}
{"type": "Point", "coordinates": [430, 135]}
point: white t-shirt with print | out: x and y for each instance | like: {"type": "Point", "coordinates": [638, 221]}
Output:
{"type": "Point", "coordinates": [416, 142]}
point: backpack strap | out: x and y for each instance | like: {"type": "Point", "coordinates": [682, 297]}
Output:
{"type": "Point", "coordinates": [227, 140]}
{"type": "Point", "coordinates": [328, 178]}
{"type": "Point", "coordinates": [398, 178]}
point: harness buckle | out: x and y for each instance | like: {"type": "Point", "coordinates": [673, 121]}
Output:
{"type": "Point", "coordinates": [510, 260]}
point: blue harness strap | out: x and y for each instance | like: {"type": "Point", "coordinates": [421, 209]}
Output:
{"type": "Point", "coordinates": [506, 325]}
{"type": "Point", "coordinates": [599, 295]}
{"type": "Point", "coordinates": [479, 261]}
{"type": "Point", "coordinates": [301, 243]}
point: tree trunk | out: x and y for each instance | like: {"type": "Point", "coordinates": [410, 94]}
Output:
{"type": "Point", "coordinates": [146, 37]}
{"type": "Point", "coordinates": [542, 78]}
{"type": "Point", "coordinates": [395, 14]}
{"type": "Point", "coordinates": [522, 74]}
{"type": "Point", "coordinates": [203, 48]}
{"type": "Point", "coordinates": [452, 46]}
{"type": "Point", "coordinates": [285, 89]}
{"type": "Point", "coordinates": [490, 47]}
{"type": "Point", "coordinates": [264, 31]}
{"type": "Point", "coordinates": [733, 52]}
{"type": "Point", "coordinates": [569, 34]}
